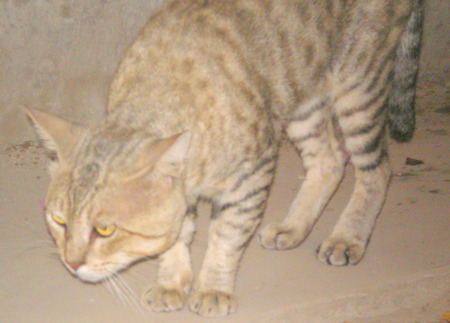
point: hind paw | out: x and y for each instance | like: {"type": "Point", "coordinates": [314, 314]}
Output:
{"type": "Point", "coordinates": [340, 252]}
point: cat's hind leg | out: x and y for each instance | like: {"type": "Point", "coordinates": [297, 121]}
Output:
{"type": "Point", "coordinates": [312, 133]}
{"type": "Point", "coordinates": [362, 118]}
{"type": "Point", "coordinates": [174, 272]}
{"type": "Point", "coordinates": [363, 69]}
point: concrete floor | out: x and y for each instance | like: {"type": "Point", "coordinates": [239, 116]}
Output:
{"type": "Point", "coordinates": [404, 277]}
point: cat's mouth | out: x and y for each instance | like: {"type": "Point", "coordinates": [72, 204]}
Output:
{"type": "Point", "coordinates": [87, 275]}
{"type": "Point", "coordinates": [91, 277]}
{"type": "Point", "coordinates": [98, 275]}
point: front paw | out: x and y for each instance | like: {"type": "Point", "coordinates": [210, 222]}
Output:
{"type": "Point", "coordinates": [212, 303]}
{"type": "Point", "coordinates": [281, 236]}
{"type": "Point", "coordinates": [161, 299]}
{"type": "Point", "coordinates": [341, 252]}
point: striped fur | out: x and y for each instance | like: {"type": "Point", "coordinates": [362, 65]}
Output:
{"type": "Point", "coordinates": [197, 110]}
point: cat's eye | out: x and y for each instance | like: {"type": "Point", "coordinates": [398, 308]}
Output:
{"type": "Point", "coordinates": [58, 219]}
{"type": "Point", "coordinates": [105, 231]}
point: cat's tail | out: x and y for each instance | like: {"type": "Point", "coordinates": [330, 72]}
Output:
{"type": "Point", "coordinates": [400, 103]}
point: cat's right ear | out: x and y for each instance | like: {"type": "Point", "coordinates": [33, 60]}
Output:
{"type": "Point", "coordinates": [58, 135]}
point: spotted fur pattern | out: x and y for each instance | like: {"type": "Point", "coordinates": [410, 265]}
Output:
{"type": "Point", "coordinates": [197, 110]}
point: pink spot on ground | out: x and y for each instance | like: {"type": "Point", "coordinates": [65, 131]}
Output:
{"type": "Point", "coordinates": [42, 203]}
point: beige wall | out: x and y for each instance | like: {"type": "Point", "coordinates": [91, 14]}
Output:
{"type": "Point", "coordinates": [59, 55]}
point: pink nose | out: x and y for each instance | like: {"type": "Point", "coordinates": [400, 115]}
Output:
{"type": "Point", "coordinates": [74, 265]}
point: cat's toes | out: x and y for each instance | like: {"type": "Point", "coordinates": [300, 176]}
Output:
{"type": "Point", "coordinates": [160, 299]}
{"type": "Point", "coordinates": [281, 237]}
{"type": "Point", "coordinates": [340, 252]}
{"type": "Point", "coordinates": [212, 303]}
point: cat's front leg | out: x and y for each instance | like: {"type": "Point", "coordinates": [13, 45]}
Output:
{"type": "Point", "coordinates": [174, 273]}
{"type": "Point", "coordinates": [235, 218]}
{"type": "Point", "coordinates": [213, 293]}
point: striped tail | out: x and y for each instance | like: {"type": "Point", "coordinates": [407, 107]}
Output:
{"type": "Point", "coordinates": [401, 100]}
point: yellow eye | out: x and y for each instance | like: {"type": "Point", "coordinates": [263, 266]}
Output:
{"type": "Point", "coordinates": [58, 219]}
{"type": "Point", "coordinates": [105, 231]}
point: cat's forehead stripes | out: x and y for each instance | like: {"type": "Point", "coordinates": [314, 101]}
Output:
{"type": "Point", "coordinates": [95, 163]}
{"type": "Point", "coordinates": [87, 173]}
{"type": "Point", "coordinates": [83, 182]}
{"type": "Point", "coordinates": [81, 208]}
{"type": "Point", "coordinates": [108, 148]}
{"type": "Point", "coordinates": [98, 147]}
{"type": "Point", "coordinates": [84, 186]}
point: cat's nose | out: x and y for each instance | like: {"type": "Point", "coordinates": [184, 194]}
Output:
{"type": "Point", "coordinates": [74, 265]}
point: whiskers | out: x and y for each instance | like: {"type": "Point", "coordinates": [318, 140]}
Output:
{"type": "Point", "coordinates": [117, 286]}
{"type": "Point", "coordinates": [36, 244]}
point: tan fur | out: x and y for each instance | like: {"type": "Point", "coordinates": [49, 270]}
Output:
{"type": "Point", "coordinates": [197, 110]}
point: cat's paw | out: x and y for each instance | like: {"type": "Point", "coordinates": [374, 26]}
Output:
{"type": "Point", "coordinates": [340, 252]}
{"type": "Point", "coordinates": [212, 303]}
{"type": "Point", "coordinates": [160, 299]}
{"type": "Point", "coordinates": [281, 236]}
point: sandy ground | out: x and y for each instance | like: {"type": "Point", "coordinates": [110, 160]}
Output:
{"type": "Point", "coordinates": [404, 277]}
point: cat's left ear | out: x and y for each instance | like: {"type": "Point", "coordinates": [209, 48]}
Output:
{"type": "Point", "coordinates": [58, 135]}
{"type": "Point", "coordinates": [165, 157]}
{"type": "Point", "coordinates": [172, 160]}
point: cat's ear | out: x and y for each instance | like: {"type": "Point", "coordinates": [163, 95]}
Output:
{"type": "Point", "coordinates": [59, 136]}
{"type": "Point", "coordinates": [172, 160]}
{"type": "Point", "coordinates": [166, 156]}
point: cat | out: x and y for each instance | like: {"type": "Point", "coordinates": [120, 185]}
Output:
{"type": "Point", "coordinates": [198, 109]}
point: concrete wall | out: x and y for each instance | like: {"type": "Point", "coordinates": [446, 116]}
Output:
{"type": "Point", "coordinates": [59, 55]}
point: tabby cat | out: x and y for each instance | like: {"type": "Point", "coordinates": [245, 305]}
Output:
{"type": "Point", "coordinates": [197, 110]}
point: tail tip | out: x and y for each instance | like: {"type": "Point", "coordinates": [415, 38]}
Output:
{"type": "Point", "coordinates": [399, 133]}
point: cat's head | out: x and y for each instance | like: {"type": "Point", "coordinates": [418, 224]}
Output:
{"type": "Point", "coordinates": [114, 197]}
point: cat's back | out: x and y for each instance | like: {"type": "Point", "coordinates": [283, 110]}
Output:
{"type": "Point", "coordinates": [237, 63]}
{"type": "Point", "coordinates": [195, 50]}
